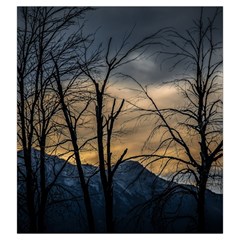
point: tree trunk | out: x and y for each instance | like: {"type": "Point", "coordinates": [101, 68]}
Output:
{"type": "Point", "coordinates": [41, 214]}
{"type": "Point", "coordinates": [86, 196]}
{"type": "Point", "coordinates": [27, 161]}
{"type": "Point", "coordinates": [106, 183]}
{"type": "Point", "coordinates": [43, 190]}
{"type": "Point", "coordinates": [30, 191]}
{"type": "Point", "coordinates": [201, 200]}
{"type": "Point", "coordinates": [109, 210]}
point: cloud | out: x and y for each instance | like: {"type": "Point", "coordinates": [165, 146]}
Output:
{"type": "Point", "coordinates": [116, 22]}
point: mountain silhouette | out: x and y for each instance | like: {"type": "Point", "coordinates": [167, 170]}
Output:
{"type": "Point", "coordinates": [143, 202]}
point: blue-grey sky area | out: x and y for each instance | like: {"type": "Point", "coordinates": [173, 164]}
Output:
{"type": "Point", "coordinates": [115, 22]}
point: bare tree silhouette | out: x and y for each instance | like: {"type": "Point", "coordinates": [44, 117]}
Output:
{"type": "Point", "coordinates": [199, 118]}
{"type": "Point", "coordinates": [40, 32]}
{"type": "Point", "coordinates": [100, 73]}
{"type": "Point", "coordinates": [72, 126]}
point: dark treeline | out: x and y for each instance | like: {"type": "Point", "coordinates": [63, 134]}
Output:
{"type": "Point", "coordinates": [63, 76]}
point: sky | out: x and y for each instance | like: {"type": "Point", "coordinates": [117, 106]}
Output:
{"type": "Point", "coordinates": [116, 21]}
